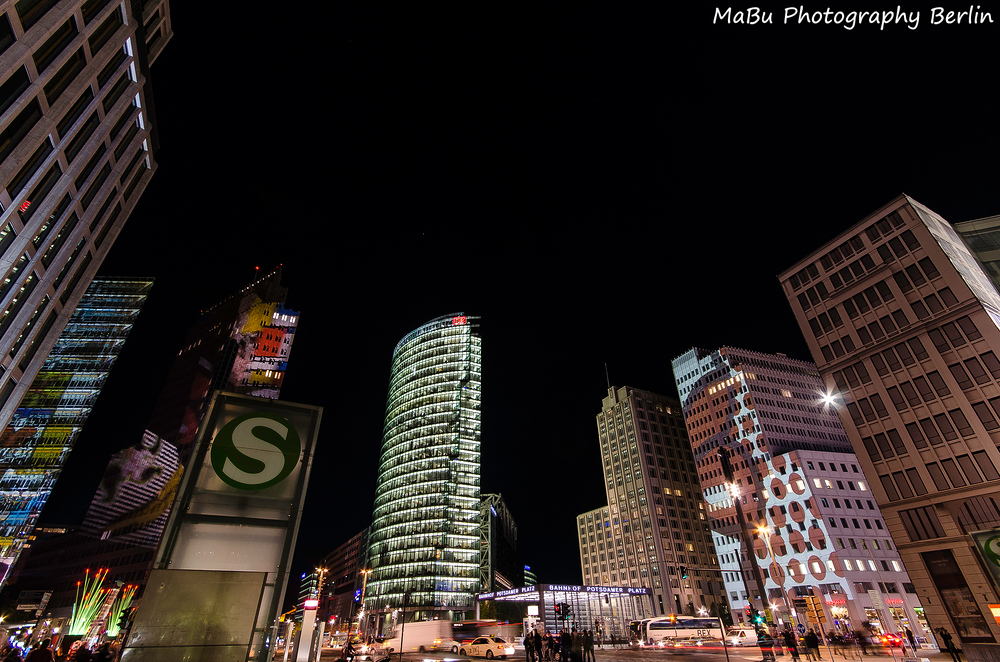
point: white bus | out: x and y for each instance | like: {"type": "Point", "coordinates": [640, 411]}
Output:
{"type": "Point", "coordinates": [655, 630]}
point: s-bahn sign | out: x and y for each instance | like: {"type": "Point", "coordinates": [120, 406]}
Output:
{"type": "Point", "coordinates": [236, 517]}
{"type": "Point", "coordinates": [255, 451]}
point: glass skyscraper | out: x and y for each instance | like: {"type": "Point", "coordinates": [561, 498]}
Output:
{"type": "Point", "coordinates": [424, 537]}
{"type": "Point", "coordinates": [35, 444]}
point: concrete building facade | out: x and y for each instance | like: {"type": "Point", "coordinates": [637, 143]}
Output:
{"type": "Point", "coordinates": [654, 531]}
{"type": "Point", "coordinates": [903, 324]}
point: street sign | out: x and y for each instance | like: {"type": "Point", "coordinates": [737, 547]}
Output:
{"type": "Point", "coordinates": [801, 628]}
{"type": "Point", "coordinates": [876, 599]}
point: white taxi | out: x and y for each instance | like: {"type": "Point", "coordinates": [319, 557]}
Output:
{"type": "Point", "coordinates": [488, 647]}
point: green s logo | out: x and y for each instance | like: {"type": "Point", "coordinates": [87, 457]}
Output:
{"type": "Point", "coordinates": [255, 451]}
{"type": "Point", "coordinates": [991, 549]}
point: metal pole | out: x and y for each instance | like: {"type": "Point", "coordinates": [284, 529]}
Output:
{"type": "Point", "coordinates": [722, 626]}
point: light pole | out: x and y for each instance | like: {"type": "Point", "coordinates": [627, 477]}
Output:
{"type": "Point", "coordinates": [766, 532]}
{"type": "Point", "coordinates": [364, 585]}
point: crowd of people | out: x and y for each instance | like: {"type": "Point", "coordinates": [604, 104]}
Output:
{"type": "Point", "coordinates": [569, 645]}
{"type": "Point", "coordinates": [43, 651]}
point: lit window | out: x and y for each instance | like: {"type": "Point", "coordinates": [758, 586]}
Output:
{"type": "Point", "coordinates": [861, 486]}
{"type": "Point", "coordinates": [828, 484]}
{"type": "Point", "coordinates": [829, 564]}
{"type": "Point", "coordinates": [848, 565]}
{"type": "Point", "coordinates": [817, 483]}
{"type": "Point", "coordinates": [896, 566]}
{"type": "Point", "coordinates": [871, 564]}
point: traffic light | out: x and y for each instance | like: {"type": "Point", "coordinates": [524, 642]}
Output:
{"type": "Point", "coordinates": [757, 617]}
{"type": "Point", "coordinates": [684, 572]}
{"type": "Point", "coordinates": [559, 612]}
{"type": "Point", "coordinates": [749, 611]}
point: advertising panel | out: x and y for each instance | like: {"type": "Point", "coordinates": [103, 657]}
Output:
{"type": "Point", "coordinates": [240, 502]}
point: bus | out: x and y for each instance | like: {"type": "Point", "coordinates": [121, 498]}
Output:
{"type": "Point", "coordinates": [654, 630]}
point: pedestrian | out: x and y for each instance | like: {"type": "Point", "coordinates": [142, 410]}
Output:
{"type": "Point", "coordinates": [547, 646]}
{"type": "Point", "coordinates": [528, 647]}
{"type": "Point", "coordinates": [11, 654]}
{"type": "Point", "coordinates": [42, 653]}
{"type": "Point", "coordinates": [614, 644]}
{"type": "Point", "coordinates": [911, 639]}
{"type": "Point", "coordinates": [812, 645]}
{"type": "Point", "coordinates": [790, 644]}
{"type": "Point", "coordinates": [577, 650]}
{"type": "Point", "coordinates": [948, 644]}
{"type": "Point", "coordinates": [766, 645]}
{"type": "Point", "coordinates": [588, 646]}
{"type": "Point", "coordinates": [862, 640]}
{"type": "Point", "coordinates": [103, 653]}
{"type": "Point", "coordinates": [536, 641]}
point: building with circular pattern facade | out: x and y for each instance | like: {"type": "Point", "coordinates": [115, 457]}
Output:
{"type": "Point", "coordinates": [424, 538]}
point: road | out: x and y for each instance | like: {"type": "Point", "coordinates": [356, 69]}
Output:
{"type": "Point", "coordinates": [747, 654]}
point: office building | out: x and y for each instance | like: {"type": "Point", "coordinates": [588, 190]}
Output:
{"type": "Point", "coordinates": [240, 345]}
{"type": "Point", "coordinates": [340, 602]}
{"type": "Point", "coordinates": [806, 509]}
{"type": "Point", "coordinates": [654, 531]}
{"type": "Point", "coordinates": [43, 429]}
{"type": "Point", "coordinates": [424, 538]}
{"type": "Point", "coordinates": [500, 565]}
{"type": "Point", "coordinates": [902, 322]}
{"type": "Point", "coordinates": [76, 151]}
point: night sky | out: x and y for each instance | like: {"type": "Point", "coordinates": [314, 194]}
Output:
{"type": "Point", "coordinates": [606, 186]}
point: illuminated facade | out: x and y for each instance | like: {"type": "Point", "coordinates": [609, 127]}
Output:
{"type": "Point", "coordinates": [816, 535]}
{"type": "Point", "coordinates": [240, 345]}
{"type": "Point", "coordinates": [424, 538]}
{"type": "Point", "coordinates": [135, 494]}
{"type": "Point", "coordinates": [77, 145]}
{"type": "Point", "coordinates": [654, 531]}
{"type": "Point", "coordinates": [35, 444]}
{"type": "Point", "coordinates": [904, 325]}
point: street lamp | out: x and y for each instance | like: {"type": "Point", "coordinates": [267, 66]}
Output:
{"type": "Point", "coordinates": [364, 585]}
{"type": "Point", "coordinates": [766, 532]}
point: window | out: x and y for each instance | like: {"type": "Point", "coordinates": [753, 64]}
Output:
{"type": "Point", "coordinates": [55, 45]}
{"type": "Point", "coordinates": [65, 76]}
{"type": "Point", "coordinates": [12, 88]}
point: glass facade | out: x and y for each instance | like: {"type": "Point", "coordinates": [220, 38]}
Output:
{"type": "Point", "coordinates": [35, 444]}
{"type": "Point", "coordinates": [425, 526]}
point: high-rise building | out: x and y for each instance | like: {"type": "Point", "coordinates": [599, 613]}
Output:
{"type": "Point", "coordinates": [424, 540]}
{"type": "Point", "coordinates": [76, 152]}
{"type": "Point", "coordinates": [903, 324]}
{"type": "Point", "coordinates": [806, 524]}
{"type": "Point", "coordinates": [500, 566]}
{"type": "Point", "coordinates": [240, 345]}
{"type": "Point", "coordinates": [654, 531]}
{"type": "Point", "coordinates": [35, 444]}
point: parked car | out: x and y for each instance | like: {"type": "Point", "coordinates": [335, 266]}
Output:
{"type": "Point", "coordinates": [488, 647]}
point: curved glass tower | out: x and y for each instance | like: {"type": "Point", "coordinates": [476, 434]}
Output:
{"type": "Point", "coordinates": [424, 537]}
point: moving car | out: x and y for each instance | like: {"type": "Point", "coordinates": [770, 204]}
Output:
{"type": "Point", "coordinates": [488, 647]}
{"type": "Point", "coordinates": [741, 637]}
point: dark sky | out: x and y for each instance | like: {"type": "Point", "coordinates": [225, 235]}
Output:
{"type": "Point", "coordinates": [602, 186]}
